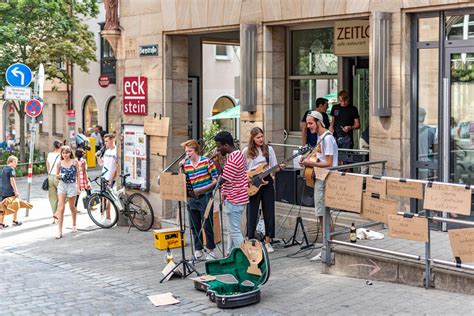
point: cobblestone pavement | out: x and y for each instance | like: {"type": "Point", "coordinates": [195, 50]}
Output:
{"type": "Point", "coordinates": [111, 272]}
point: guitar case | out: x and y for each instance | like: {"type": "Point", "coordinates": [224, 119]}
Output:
{"type": "Point", "coordinates": [244, 288]}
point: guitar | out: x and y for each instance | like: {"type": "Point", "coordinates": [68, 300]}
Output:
{"type": "Point", "coordinates": [258, 174]}
{"type": "Point", "coordinates": [309, 173]}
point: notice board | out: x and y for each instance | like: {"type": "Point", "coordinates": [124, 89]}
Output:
{"type": "Point", "coordinates": [135, 157]}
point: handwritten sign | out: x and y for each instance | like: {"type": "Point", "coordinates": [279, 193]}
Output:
{"type": "Point", "coordinates": [173, 186]}
{"type": "Point", "coordinates": [462, 243]}
{"type": "Point", "coordinates": [448, 197]}
{"type": "Point", "coordinates": [378, 209]}
{"type": "Point", "coordinates": [407, 189]}
{"type": "Point", "coordinates": [321, 173]}
{"type": "Point", "coordinates": [378, 186]}
{"type": "Point", "coordinates": [415, 228]}
{"type": "Point", "coordinates": [156, 126]}
{"type": "Point", "coordinates": [343, 192]}
{"type": "Point", "coordinates": [158, 145]}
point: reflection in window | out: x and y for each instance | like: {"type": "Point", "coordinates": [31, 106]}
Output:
{"type": "Point", "coordinates": [460, 27]}
{"type": "Point", "coordinates": [112, 115]}
{"type": "Point", "coordinates": [91, 114]}
{"type": "Point", "coordinates": [313, 52]}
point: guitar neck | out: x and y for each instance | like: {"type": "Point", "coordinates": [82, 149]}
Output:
{"type": "Point", "coordinates": [270, 170]}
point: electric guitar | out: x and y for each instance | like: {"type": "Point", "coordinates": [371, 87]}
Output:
{"type": "Point", "coordinates": [258, 174]}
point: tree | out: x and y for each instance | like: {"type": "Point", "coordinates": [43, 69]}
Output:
{"type": "Point", "coordinates": [52, 32]}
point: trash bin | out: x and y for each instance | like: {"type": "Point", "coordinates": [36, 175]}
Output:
{"type": "Point", "coordinates": [90, 154]}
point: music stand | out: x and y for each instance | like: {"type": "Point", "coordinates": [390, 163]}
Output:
{"type": "Point", "coordinates": [176, 181]}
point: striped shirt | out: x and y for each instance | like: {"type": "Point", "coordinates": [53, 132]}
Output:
{"type": "Point", "coordinates": [201, 174]}
{"type": "Point", "coordinates": [234, 189]}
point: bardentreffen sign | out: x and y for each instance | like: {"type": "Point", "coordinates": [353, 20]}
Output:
{"type": "Point", "coordinates": [135, 96]}
{"type": "Point", "coordinates": [104, 81]}
{"type": "Point", "coordinates": [351, 38]}
{"type": "Point", "coordinates": [149, 50]}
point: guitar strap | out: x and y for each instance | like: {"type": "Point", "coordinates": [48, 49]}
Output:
{"type": "Point", "coordinates": [320, 139]}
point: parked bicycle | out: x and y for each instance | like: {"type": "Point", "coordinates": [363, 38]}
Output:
{"type": "Point", "coordinates": [135, 207]}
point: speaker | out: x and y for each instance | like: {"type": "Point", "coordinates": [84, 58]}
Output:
{"type": "Point", "coordinates": [304, 194]}
{"type": "Point", "coordinates": [285, 185]}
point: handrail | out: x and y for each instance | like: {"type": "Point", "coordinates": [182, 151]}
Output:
{"type": "Point", "coordinates": [365, 151]}
{"type": "Point", "coordinates": [388, 252]}
{"type": "Point", "coordinates": [26, 163]}
{"type": "Point", "coordinates": [358, 164]}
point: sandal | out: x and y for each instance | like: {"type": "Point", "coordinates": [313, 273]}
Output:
{"type": "Point", "coordinates": [17, 223]}
{"type": "Point", "coordinates": [74, 229]}
{"type": "Point", "coordinates": [59, 236]}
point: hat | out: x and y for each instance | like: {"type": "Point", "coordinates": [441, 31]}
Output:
{"type": "Point", "coordinates": [317, 116]}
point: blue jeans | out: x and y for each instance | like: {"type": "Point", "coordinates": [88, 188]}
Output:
{"type": "Point", "coordinates": [234, 216]}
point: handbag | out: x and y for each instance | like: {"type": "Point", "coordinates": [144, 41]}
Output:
{"type": "Point", "coordinates": [45, 185]}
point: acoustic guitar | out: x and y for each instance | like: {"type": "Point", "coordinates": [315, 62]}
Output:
{"type": "Point", "coordinates": [259, 173]}
{"type": "Point", "coordinates": [309, 173]}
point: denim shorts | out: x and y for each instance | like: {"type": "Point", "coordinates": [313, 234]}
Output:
{"type": "Point", "coordinates": [69, 189]}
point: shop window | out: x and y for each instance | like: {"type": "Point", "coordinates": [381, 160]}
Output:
{"type": "Point", "coordinates": [222, 52]}
{"type": "Point", "coordinates": [90, 114]}
{"type": "Point", "coordinates": [459, 27]}
{"type": "Point", "coordinates": [112, 115]}
{"type": "Point", "coordinates": [107, 58]}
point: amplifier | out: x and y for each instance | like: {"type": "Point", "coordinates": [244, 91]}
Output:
{"type": "Point", "coordinates": [285, 185]}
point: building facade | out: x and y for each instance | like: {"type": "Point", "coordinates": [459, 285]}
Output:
{"type": "Point", "coordinates": [406, 65]}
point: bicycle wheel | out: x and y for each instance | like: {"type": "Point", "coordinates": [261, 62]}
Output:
{"type": "Point", "coordinates": [97, 210]}
{"type": "Point", "coordinates": [140, 212]}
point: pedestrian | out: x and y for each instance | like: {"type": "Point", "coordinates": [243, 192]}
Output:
{"type": "Point", "coordinates": [109, 166]}
{"type": "Point", "coordinates": [202, 175]}
{"type": "Point", "coordinates": [68, 188]}
{"type": "Point", "coordinates": [9, 188]}
{"type": "Point", "coordinates": [83, 178]}
{"type": "Point", "coordinates": [234, 186]}
{"type": "Point", "coordinates": [327, 154]}
{"type": "Point", "coordinates": [307, 138]}
{"type": "Point", "coordinates": [98, 139]}
{"type": "Point", "coordinates": [344, 120]}
{"type": "Point", "coordinates": [52, 161]}
{"type": "Point", "coordinates": [81, 140]}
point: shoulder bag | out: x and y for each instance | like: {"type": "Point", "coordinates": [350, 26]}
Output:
{"type": "Point", "coordinates": [45, 185]}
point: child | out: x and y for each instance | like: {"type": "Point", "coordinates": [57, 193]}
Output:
{"type": "Point", "coordinates": [83, 179]}
{"type": "Point", "coordinates": [9, 188]}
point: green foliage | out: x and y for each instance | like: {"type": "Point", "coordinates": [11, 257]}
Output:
{"type": "Point", "coordinates": [208, 135]}
{"type": "Point", "coordinates": [48, 32]}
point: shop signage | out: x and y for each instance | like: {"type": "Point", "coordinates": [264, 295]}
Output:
{"type": "Point", "coordinates": [104, 81]}
{"type": "Point", "coordinates": [149, 50]}
{"type": "Point", "coordinates": [135, 96]}
{"type": "Point", "coordinates": [351, 38]}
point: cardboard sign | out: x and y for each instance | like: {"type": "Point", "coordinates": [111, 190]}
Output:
{"type": "Point", "coordinates": [407, 189]}
{"type": "Point", "coordinates": [173, 186]}
{"type": "Point", "coordinates": [155, 126]}
{"type": "Point", "coordinates": [378, 186]}
{"type": "Point", "coordinates": [321, 173]}
{"type": "Point", "coordinates": [415, 228]}
{"type": "Point", "coordinates": [158, 145]}
{"type": "Point", "coordinates": [343, 192]}
{"type": "Point", "coordinates": [462, 243]}
{"type": "Point", "coordinates": [448, 198]}
{"type": "Point", "coordinates": [163, 299]}
{"type": "Point", "coordinates": [378, 209]}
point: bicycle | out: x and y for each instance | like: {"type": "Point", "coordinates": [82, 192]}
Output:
{"type": "Point", "coordinates": [134, 206]}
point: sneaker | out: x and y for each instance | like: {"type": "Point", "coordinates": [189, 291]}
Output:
{"type": "Point", "coordinates": [211, 255]}
{"type": "Point", "coordinates": [198, 254]}
{"type": "Point", "coordinates": [318, 257]}
{"type": "Point", "coordinates": [269, 248]}
{"type": "Point", "coordinates": [106, 222]}
{"type": "Point", "coordinates": [17, 223]}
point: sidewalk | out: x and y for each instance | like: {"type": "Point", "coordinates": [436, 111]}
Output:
{"type": "Point", "coordinates": [109, 271]}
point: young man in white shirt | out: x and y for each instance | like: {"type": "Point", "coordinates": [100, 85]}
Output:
{"type": "Point", "coordinates": [327, 155]}
{"type": "Point", "coordinates": [109, 165]}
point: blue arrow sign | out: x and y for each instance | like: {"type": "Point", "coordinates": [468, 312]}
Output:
{"type": "Point", "coordinates": [18, 75]}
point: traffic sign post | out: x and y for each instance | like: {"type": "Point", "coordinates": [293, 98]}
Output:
{"type": "Point", "coordinates": [18, 75]}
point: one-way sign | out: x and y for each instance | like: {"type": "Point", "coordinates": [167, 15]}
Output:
{"type": "Point", "coordinates": [17, 93]}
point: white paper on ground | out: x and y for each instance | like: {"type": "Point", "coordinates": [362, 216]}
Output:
{"type": "Point", "coordinates": [163, 299]}
{"type": "Point", "coordinates": [167, 269]}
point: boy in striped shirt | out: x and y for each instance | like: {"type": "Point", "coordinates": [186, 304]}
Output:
{"type": "Point", "coordinates": [234, 186]}
{"type": "Point", "coordinates": [202, 174]}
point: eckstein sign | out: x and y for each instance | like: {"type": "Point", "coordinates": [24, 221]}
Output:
{"type": "Point", "coordinates": [351, 38]}
{"type": "Point", "coordinates": [135, 96]}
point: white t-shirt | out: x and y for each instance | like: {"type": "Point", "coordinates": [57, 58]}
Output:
{"type": "Point", "coordinates": [53, 162]}
{"type": "Point", "coordinates": [110, 162]}
{"type": "Point", "coordinates": [252, 163]}
{"type": "Point", "coordinates": [328, 147]}
{"type": "Point", "coordinates": [98, 139]}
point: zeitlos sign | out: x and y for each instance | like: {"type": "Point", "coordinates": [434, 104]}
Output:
{"type": "Point", "coordinates": [351, 38]}
{"type": "Point", "coordinates": [135, 96]}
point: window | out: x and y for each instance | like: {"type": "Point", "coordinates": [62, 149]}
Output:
{"type": "Point", "coordinates": [58, 119]}
{"type": "Point", "coordinates": [313, 72]}
{"type": "Point", "coordinates": [223, 52]}
{"type": "Point", "coordinates": [107, 58]}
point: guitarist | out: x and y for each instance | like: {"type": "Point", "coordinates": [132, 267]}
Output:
{"type": "Point", "coordinates": [326, 153]}
{"type": "Point", "coordinates": [258, 153]}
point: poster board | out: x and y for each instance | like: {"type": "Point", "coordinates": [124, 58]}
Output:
{"type": "Point", "coordinates": [405, 188]}
{"type": "Point", "coordinates": [158, 145]}
{"type": "Point", "coordinates": [173, 186]}
{"type": "Point", "coordinates": [135, 157]}
{"type": "Point", "coordinates": [374, 185]}
{"type": "Point", "coordinates": [446, 197]}
{"type": "Point", "coordinates": [321, 173]}
{"type": "Point", "coordinates": [462, 243]}
{"type": "Point", "coordinates": [378, 209]}
{"type": "Point", "coordinates": [415, 228]}
{"type": "Point", "coordinates": [156, 126]}
{"type": "Point", "coordinates": [344, 192]}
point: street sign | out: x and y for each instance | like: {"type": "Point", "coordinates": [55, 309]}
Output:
{"type": "Point", "coordinates": [71, 112]}
{"type": "Point", "coordinates": [33, 108]}
{"type": "Point", "coordinates": [18, 75]}
{"type": "Point", "coordinates": [17, 93]}
{"type": "Point", "coordinates": [104, 81]}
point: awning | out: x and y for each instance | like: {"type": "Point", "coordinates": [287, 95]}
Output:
{"type": "Point", "coordinates": [232, 113]}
